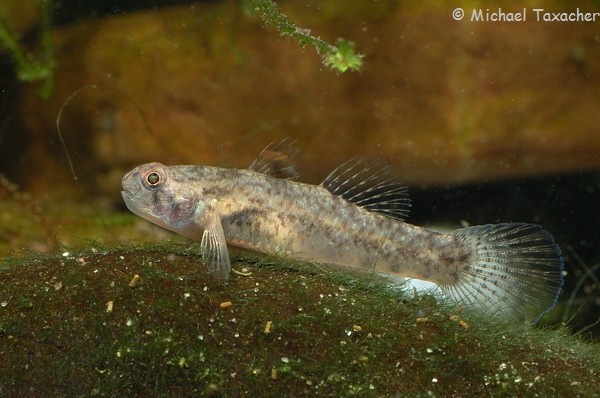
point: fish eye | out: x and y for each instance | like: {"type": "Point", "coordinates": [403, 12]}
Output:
{"type": "Point", "coordinates": [153, 178]}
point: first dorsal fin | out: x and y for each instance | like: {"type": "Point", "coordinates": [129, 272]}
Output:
{"type": "Point", "coordinates": [277, 160]}
{"type": "Point", "coordinates": [371, 184]}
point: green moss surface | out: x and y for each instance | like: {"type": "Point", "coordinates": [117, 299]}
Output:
{"type": "Point", "coordinates": [175, 332]}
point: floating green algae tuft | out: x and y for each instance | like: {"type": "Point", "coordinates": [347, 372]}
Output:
{"type": "Point", "coordinates": [340, 57]}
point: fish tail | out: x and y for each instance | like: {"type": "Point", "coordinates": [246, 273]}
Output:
{"type": "Point", "coordinates": [514, 268]}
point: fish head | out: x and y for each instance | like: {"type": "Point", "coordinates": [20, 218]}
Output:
{"type": "Point", "coordinates": [153, 192]}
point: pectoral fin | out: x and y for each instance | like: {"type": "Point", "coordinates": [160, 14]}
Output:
{"type": "Point", "coordinates": [213, 247]}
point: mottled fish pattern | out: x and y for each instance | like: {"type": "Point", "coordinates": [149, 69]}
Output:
{"type": "Point", "coordinates": [355, 219]}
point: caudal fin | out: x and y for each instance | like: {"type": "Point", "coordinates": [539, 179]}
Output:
{"type": "Point", "coordinates": [515, 268]}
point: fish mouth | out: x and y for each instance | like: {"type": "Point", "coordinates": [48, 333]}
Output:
{"type": "Point", "coordinates": [128, 199]}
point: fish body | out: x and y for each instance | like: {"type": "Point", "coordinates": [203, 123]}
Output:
{"type": "Point", "coordinates": [355, 219]}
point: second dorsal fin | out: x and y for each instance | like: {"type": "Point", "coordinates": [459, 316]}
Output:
{"type": "Point", "coordinates": [277, 160]}
{"type": "Point", "coordinates": [370, 184]}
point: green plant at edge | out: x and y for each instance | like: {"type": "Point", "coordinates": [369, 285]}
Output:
{"type": "Point", "coordinates": [340, 57]}
{"type": "Point", "coordinates": [29, 69]}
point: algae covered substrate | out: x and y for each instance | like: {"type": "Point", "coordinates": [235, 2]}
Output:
{"type": "Point", "coordinates": [147, 321]}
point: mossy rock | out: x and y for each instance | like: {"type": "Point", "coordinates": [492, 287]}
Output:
{"type": "Point", "coordinates": [76, 323]}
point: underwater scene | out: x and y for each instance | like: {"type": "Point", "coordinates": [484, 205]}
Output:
{"type": "Point", "coordinates": [258, 198]}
